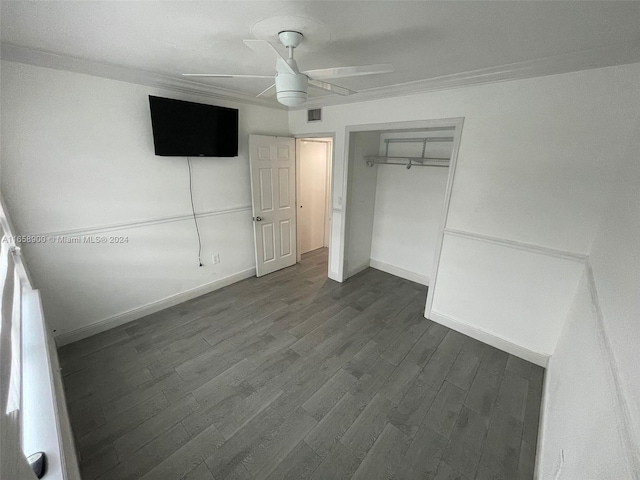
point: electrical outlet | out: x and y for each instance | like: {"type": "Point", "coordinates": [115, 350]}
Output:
{"type": "Point", "coordinates": [216, 258]}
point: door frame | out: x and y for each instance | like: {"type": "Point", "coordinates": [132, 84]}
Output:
{"type": "Point", "coordinates": [457, 123]}
{"type": "Point", "coordinates": [330, 184]}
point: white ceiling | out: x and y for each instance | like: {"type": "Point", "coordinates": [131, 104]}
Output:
{"type": "Point", "coordinates": [425, 41]}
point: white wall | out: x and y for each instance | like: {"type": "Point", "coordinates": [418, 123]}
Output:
{"type": "Point", "coordinates": [360, 201]}
{"type": "Point", "coordinates": [581, 436]}
{"type": "Point", "coordinates": [77, 157]}
{"type": "Point", "coordinates": [409, 207]}
{"type": "Point", "coordinates": [593, 388]}
{"type": "Point", "coordinates": [616, 268]}
{"type": "Point", "coordinates": [533, 169]}
{"type": "Point", "coordinates": [494, 281]}
{"type": "Point", "coordinates": [605, 332]}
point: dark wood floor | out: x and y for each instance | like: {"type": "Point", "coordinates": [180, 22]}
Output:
{"type": "Point", "coordinates": [294, 376]}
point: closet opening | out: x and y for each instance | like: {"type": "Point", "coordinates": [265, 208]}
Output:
{"type": "Point", "coordinates": [397, 190]}
{"type": "Point", "coordinates": [313, 195]}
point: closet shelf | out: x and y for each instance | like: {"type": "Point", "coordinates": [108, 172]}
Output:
{"type": "Point", "coordinates": [421, 161]}
{"type": "Point", "coordinates": [407, 161]}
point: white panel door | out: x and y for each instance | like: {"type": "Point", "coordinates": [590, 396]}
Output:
{"type": "Point", "coordinates": [273, 191]}
{"type": "Point", "coordinates": [312, 194]}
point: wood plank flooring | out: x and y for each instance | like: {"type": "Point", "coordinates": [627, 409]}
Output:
{"type": "Point", "coordinates": [294, 376]}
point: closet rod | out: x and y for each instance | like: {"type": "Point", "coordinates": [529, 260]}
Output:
{"type": "Point", "coordinates": [413, 159]}
{"type": "Point", "coordinates": [408, 161]}
{"type": "Point", "coordinates": [418, 140]}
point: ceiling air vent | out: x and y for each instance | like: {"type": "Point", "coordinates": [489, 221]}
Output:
{"type": "Point", "coordinates": [314, 115]}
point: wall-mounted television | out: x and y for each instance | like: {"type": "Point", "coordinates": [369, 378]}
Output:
{"type": "Point", "coordinates": [187, 129]}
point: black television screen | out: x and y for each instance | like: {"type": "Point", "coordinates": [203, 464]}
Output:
{"type": "Point", "coordinates": [187, 129]}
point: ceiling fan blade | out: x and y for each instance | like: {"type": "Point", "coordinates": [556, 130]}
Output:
{"type": "Point", "coordinates": [268, 92]}
{"type": "Point", "coordinates": [355, 71]}
{"type": "Point", "coordinates": [331, 87]}
{"type": "Point", "coordinates": [262, 47]}
{"type": "Point", "coordinates": [222, 75]}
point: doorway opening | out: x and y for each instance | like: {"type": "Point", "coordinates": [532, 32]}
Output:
{"type": "Point", "coordinates": [397, 191]}
{"type": "Point", "coordinates": [313, 193]}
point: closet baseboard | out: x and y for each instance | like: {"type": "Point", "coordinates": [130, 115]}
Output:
{"type": "Point", "coordinates": [399, 272]}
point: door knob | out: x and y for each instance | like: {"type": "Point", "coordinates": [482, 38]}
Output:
{"type": "Point", "coordinates": [258, 219]}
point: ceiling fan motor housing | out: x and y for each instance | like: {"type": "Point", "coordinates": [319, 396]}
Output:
{"type": "Point", "coordinates": [291, 88]}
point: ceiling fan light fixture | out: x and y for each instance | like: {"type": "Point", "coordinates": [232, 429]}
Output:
{"type": "Point", "coordinates": [292, 99]}
{"type": "Point", "coordinates": [291, 84]}
{"type": "Point", "coordinates": [291, 89]}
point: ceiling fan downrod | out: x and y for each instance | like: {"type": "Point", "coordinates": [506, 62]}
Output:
{"type": "Point", "coordinates": [291, 88]}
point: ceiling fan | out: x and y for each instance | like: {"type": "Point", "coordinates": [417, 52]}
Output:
{"type": "Point", "coordinates": [290, 83]}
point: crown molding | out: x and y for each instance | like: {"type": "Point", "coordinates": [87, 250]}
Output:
{"type": "Point", "coordinates": [618, 54]}
{"type": "Point", "coordinates": [20, 54]}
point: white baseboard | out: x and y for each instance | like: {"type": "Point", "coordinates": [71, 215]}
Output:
{"type": "Point", "coordinates": [400, 272]}
{"type": "Point", "coordinates": [153, 307]}
{"type": "Point", "coordinates": [491, 339]}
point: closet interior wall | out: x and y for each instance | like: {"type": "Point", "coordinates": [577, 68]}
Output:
{"type": "Point", "coordinates": [361, 200]}
{"type": "Point", "coordinates": [394, 212]}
